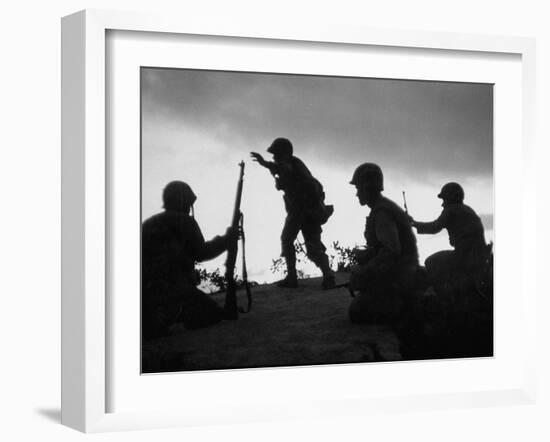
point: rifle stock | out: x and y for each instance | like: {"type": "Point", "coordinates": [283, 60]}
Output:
{"type": "Point", "coordinates": [230, 307]}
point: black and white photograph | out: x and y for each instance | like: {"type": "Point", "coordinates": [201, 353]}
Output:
{"type": "Point", "coordinates": [265, 222]}
{"type": "Point", "coordinates": [299, 220]}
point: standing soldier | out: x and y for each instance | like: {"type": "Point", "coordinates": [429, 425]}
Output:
{"type": "Point", "coordinates": [387, 268]}
{"type": "Point", "coordinates": [305, 207]}
{"type": "Point", "coordinates": [171, 244]}
{"type": "Point", "coordinates": [466, 235]}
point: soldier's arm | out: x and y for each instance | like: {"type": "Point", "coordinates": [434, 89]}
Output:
{"type": "Point", "coordinates": [434, 226]}
{"type": "Point", "coordinates": [387, 233]}
{"type": "Point", "coordinates": [205, 250]}
{"type": "Point", "coordinates": [386, 256]}
{"type": "Point", "coordinates": [267, 164]}
{"type": "Point", "coordinates": [272, 167]}
{"type": "Point", "coordinates": [388, 236]}
{"type": "Point", "coordinates": [213, 248]}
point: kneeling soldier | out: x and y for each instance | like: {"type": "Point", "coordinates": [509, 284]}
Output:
{"type": "Point", "coordinates": [171, 244]}
{"type": "Point", "coordinates": [466, 236]}
{"type": "Point", "coordinates": [388, 267]}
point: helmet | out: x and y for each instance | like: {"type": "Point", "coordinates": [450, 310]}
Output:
{"type": "Point", "coordinates": [368, 175]}
{"type": "Point", "coordinates": [280, 146]}
{"type": "Point", "coordinates": [177, 195]}
{"type": "Point", "coordinates": [452, 192]}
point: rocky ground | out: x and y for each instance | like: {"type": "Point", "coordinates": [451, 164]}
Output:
{"type": "Point", "coordinates": [286, 327]}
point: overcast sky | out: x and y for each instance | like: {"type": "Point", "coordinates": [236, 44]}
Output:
{"type": "Point", "coordinates": [197, 125]}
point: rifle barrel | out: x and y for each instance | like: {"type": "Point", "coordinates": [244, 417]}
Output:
{"type": "Point", "coordinates": [231, 289]}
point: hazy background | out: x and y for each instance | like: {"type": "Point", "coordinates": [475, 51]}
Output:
{"type": "Point", "coordinates": [197, 126]}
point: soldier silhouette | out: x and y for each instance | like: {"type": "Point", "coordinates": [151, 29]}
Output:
{"type": "Point", "coordinates": [305, 208]}
{"type": "Point", "coordinates": [387, 268]}
{"type": "Point", "coordinates": [466, 236]}
{"type": "Point", "coordinates": [458, 322]}
{"type": "Point", "coordinates": [171, 244]}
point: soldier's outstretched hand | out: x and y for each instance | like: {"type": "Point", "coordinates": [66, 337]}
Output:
{"type": "Point", "coordinates": [258, 158]}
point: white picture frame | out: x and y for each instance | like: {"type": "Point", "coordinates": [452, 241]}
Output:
{"type": "Point", "coordinates": [85, 210]}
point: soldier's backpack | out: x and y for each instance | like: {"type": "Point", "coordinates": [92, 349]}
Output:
{"type": "Point", "coordinates": [325, 211]}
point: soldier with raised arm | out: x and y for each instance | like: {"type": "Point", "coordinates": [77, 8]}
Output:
{"type": "Point", "coordinates": [172, 242]}
{"type": "Point", "coordinates": [387, 268]}
{"type": "Point", "coordinates": [305, 208]}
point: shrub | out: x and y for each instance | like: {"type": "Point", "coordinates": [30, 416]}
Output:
{"type": "Point", "coordinates": [341, 258]}
{"type": "Point", "coordinates": [214, 281]}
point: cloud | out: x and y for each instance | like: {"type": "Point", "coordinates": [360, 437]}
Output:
{"type": "Point", "coordinates": [434, 129]}
{"type": "Point", "coordinates": [197, 125]}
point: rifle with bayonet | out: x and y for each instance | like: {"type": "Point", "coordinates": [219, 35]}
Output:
{"type": "Point", "coordinates": [230, 307]}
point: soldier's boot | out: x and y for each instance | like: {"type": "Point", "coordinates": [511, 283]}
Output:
{"type": "Point", "coordinates": [289, 282]}
{"type": "Point", "coordinates": [291, 279]}
{"type": "Point", "coordinates": [329, 281]}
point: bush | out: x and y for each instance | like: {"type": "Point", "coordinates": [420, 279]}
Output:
{"type": "Point", "coordinates": [341, 258]}
{"type": "Point", "coordinates": [279, 265]}
{"type": "Point", "coordinates": [214, 281]}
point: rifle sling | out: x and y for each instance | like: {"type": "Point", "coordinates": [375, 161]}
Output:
{"type": "Point", "coordinates": [245, 272]}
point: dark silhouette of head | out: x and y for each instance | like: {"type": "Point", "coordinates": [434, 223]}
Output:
{"type": "Point", "coordinates": [178, 196]}
{"type": "Point", "coordinates": [368, 179]}
{"type": "Point", "coordinates": [451, 193]}
{"type": "Point", "coordinates": [281, 148]}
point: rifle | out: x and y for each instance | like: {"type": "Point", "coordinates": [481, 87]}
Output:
{"type": "Point", "coordinates": [230, 307]}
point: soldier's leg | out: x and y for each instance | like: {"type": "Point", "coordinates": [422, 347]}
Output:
{"type": "Point", "coordinates": [316, 251]}
{"type": "Point", "coordinates": [471, 262]}
{"type": "Point", "coordinates": [288, 236]}
{"type": "Point", "coordinates": [360, 310]}
{"type": "Point", "coordinates": [439, 268]}
{"type": "Point", "coordinates": [379, 303]}
{"type": "Point", "coordinates": [357, 310]}
{"type": "Point", "coordinates": [155, 322]}
{"type": "Point", "coordinates": [200, 310]}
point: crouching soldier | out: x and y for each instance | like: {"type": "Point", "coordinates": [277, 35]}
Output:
{"type": "Point", "coordinates": [171, 244]}
{"type": "Point", "coordinates": [461, 320]}
{"type": "Point", "coordinates": [387, 268]}
{"type": "Point", "coordinates": [460, 266]}
{"type": "Point", "coordinates": [305, 207]}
